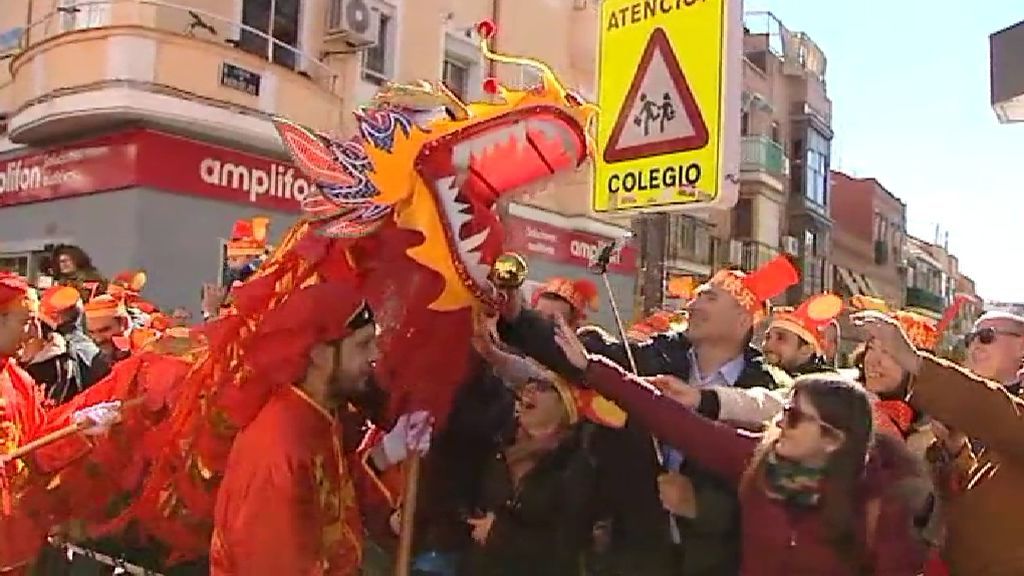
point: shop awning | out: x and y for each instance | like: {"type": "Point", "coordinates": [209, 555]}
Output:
{"type": "Point", "coordinates": [849, 281]}
{"type": "Point", "coordinates": [869, 286]}
{"type": "Point", "coordinates": [857, 284]}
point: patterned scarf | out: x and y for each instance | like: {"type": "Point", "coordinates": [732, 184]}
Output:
{"type": "Point", "coordinates": [792, 482]}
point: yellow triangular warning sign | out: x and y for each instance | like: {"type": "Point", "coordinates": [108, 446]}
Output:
{"type": "Point", "coordinates": [659, 114]}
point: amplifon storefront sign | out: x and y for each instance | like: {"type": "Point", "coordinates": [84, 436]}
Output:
{"type": "Point", "coordinates": [541, 240]}
{"type": "Point", "coordinates": [142, 158]}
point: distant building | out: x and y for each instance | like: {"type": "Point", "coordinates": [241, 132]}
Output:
{"type": "Point", "coordinates": [1011, 307]}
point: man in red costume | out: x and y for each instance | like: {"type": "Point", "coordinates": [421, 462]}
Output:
{"type": "Point", "coordinates": [291, 501]}
{"type": "Point", "coordinates": [23, 419]}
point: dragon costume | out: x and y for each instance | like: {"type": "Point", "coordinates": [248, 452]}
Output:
{"type": "Point", "coordinates": [405, 209]}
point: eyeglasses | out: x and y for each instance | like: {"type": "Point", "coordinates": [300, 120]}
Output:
{"type": "Point", "coordinates": [988, 335]}
{"type": "Point", "coordinates": [793, 416]}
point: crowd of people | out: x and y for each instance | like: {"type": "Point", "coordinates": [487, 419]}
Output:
{"type": "Point", "coordinates": [716, 440]}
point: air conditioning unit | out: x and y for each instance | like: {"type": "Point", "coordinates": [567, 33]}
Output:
{"type": "Point", "coordinates": [735, 252]}
{"type": "Point", "coordinates": [354, 22]}
{"type": "Point", "coordinates": [790, 245]}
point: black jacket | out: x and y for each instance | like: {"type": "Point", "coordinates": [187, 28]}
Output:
{"type": "Point", "coordinates": [628, 464]}
{"type": "Point", "coordinates": [543, 525]}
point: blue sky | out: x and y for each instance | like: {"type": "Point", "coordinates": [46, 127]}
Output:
{"type": "Point", "coordinates": [909, 83]}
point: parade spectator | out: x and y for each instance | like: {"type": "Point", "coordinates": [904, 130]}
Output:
{"type": "Point", "coordinates": [983, 517]}
{"type": "Point", "coordinates": [995, 347]}
{"type": "Point", "coordinates": [534, 515]}
{"type": "Point", "coordinates": [668, 515]}
{"type": "Point", "coordinates": [73, 267]}
{"type": "Point", "coordinates": [814, 496]}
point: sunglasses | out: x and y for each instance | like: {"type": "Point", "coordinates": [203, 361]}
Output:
{"type": "Point", "coordinates": [988, 335]}
{"type": "Point", "coordinates": [793, 417]}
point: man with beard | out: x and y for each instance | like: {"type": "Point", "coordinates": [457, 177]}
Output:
{"type": "Point", "coordinates": [668, 517]}
{"type": "Point", "coordinates": [796, 338]}
{"type": "Point", "coordinates": [109, 326]}
{"type": "Point", "coordinates": [291, 499]}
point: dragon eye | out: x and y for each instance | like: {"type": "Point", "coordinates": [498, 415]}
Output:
{"type": "Point", "coordinates": [574, 98]}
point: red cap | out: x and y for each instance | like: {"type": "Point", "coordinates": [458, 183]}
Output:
{"type": "Point", "coordinates": [15, 292]}
{"type": "Point", "coordinates": [249, 237]}
{"type": "Point", "coordinates": [753, 290]}
{"type": "Point", "coordinates": [580, 294]}
{"type": "Point", "coordinates": [809, 320]}
{"type": "Point", "coordinates": [56, 300]}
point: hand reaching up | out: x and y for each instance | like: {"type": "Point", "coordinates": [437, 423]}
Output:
{"type": "Point", "coordinates": [885, 332]}
{"type": "Point", "coordinates": [570, 344]}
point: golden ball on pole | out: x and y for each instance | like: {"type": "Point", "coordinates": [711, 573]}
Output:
{"type": "Point", "coordinates": [509, 271]}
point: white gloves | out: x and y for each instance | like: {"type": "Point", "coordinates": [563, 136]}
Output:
{"type": "Point", "coordinates": [411, 434]}
{"type": "Point", "coordinates": [96, 420]}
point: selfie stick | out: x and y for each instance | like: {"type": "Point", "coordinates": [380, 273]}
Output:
{"type": "Point", "coordinates": [599, 265]}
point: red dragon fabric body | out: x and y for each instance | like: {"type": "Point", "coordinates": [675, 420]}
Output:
{"type": "Point", "coordinates": [406, 210]}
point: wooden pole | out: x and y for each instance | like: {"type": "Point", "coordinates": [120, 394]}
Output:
{"type": "Point", "coordinates": [412, 476]}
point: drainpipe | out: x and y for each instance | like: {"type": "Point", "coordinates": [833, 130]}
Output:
{"type": "Point", "coordinates": [28, 26]}
{"type": "Point", "coordinates": [492, 66]}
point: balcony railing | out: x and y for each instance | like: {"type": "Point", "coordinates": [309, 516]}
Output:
{"type": "Point", "coordinates": [754, 254]}
{"type": "Point", "coordinates": [179, 20]}
{"type": "Point", "coordinates": [920, 298]}
{"type": "Point", "coordinates": [761, 154]}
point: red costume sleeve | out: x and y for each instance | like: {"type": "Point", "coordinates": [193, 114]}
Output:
{"type": "Point", "coordinates": [268, 522]}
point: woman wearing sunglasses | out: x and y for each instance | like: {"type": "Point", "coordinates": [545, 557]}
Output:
{"type": "Point", "coordinates": [813, 499]}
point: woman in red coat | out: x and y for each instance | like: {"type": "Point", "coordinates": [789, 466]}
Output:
{"type": "Point", "coordinates": [815, 499]}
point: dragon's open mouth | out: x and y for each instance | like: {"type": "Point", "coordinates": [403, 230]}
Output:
{"type": "Point", "coordinates": [471, 169]}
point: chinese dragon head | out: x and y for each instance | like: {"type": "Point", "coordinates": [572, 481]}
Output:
{"type": "Point", "coordinates": [407, 209]}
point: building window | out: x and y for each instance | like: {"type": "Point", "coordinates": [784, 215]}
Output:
{"type": "Point", "coordinates": [261, 25]}
{"type": "Point", "coordinates": [777, 133]}
{"type": "Point", "coordinates": [810, 243]}
{"type": "Point", "coordinates": [16, 263]}
{"type": "Point", "coordinates": [744, 123]}
{"type": "Point", "coordinates": [379, 59]}
{"type": "Point", "coordinates": [816, 186]}
{"type": "Point", "coordinates": [456, 77]}
{"type": "Point", "coordinates": [460, 69]}
{"type": "Point", "coordinates": [80, 14]}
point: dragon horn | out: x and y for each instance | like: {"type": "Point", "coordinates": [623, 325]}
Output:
{"type": "Point", "coordinates": [486, 31]}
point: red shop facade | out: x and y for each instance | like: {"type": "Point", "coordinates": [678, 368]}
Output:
{"type": "Point", "coordinates": [141, 199]}
{"type": "Point", "coordinates": [556, 246]}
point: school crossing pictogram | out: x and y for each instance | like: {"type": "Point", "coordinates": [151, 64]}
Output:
{"type": "Point", "coordinates": [659, 114]}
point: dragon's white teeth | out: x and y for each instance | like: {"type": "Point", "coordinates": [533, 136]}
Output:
{"type": "Point", "coordinates": [553, 130]}
{"type": "Point", "coordinates": [474, 241]}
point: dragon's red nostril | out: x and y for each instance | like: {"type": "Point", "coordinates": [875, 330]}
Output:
{"type": "Point", "coordinates": [491, 86]}
{"type": "Point", "coordinates": [486, 29]}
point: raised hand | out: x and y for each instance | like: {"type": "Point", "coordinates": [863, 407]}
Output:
{"type": "Point", "coordinates": [885, 332]}
{"type": "Point", "coordinates": [570, 344]}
